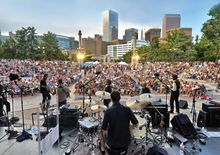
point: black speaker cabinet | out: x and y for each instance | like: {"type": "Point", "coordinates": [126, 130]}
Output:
{"type": "Point", "coordinates": [182, 124]}
{"type": "Point", "coordinates": [155, 116]}
{"type": "Point", "coordinates": [69, 117]}
{"type": "Point", "coordinates": [183, 104]}
{"type": "Point", "coordinates": [202, 120]}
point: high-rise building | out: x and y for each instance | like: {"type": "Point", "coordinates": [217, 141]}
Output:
{"type": "Point", "coordinates": [129, 33]}
{"type": "Point", "coordinates": [170, 21]}
{"type": "Point", "coordinates": [143, 33]}
{"type": "Point", "coordinates": [152, 33]}
{"type": "Point", "coordinates": [117, 51]}
{"type": "Point", "coordinates": [110, 25]}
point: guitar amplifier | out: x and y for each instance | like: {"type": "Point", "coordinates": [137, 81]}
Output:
{"type": "Point", "coordinates": [69, 117]}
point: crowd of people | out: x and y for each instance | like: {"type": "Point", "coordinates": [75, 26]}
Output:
{"type": "Point", "coordinates": [31, 72]}
{"type": "Point", "coordinates": [127, 79]}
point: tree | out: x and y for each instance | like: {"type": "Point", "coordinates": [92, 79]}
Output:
{"type": "Point", "coordinates": [211, 29]}
{"type": "Point", "coordinates": [50, 48]}
{"type": "Point", "coordinates": [26, 43]}
{"type": "Point", "coordinates": [180, 45]}
{"type": "Point", "coordinates": [9, 47]}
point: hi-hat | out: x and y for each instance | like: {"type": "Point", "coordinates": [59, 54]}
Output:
{"type": "Point", "coordinates": [148, 97]}
{"type": "Point", "coordinates": [103, 94]}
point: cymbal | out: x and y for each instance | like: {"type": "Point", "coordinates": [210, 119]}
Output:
{"type": "Point", "coordinates": [92, 102]}
{"type": "Point", "coordinates": [148, 97]}
{"type": "Point", "coordinates": [103, 94]}
{"type": "Point", "coordinates": [133, 104]}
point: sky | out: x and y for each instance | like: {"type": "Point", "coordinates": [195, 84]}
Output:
{"type": "Point", "coordinates": [67, 17]}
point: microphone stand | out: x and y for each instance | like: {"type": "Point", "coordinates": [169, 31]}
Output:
{"type": "Point", "coordinates": [166, 87]}
{"type": "Point", "coordinates": [24, 135]}
{"type": "Point", "coordinates": [83, 87]}
{"type": "Point", "coordinates": [13, 118]}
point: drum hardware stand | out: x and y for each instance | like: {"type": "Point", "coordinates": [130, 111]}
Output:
{"type": "Point", "coordinates": [81, 138]}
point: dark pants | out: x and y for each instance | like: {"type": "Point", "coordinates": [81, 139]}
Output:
{"type": "Point", "coordinates": [121, 151]}
{"type": "Point", "coordinates": [46, 97]}
{"type": "Point", "coordinates": [174, 97]}
{"type": "Point", "coordinates": [6, 103]}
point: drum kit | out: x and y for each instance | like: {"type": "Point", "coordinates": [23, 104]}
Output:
{"type": "Point", "coordinates": [89, 126]}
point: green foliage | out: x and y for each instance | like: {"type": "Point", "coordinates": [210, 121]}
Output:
{"type": "Point", "coordinates": [49, 47]}
{"type": "Point", "coordinates": [9, 47]}
{"type": "Point", "coordinates": [26, 43]}
{"type": "Point", "coordinates": [211, 30]}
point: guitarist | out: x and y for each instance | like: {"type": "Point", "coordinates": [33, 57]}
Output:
{"type": "Point", "coordinates": [175, 94]}
{"type": "Point", "coordinates": [63, 93]}
{"type": "Point", "coordinates": [45, 91]}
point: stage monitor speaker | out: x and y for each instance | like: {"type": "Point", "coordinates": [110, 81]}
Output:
{"type": "Point", "coordinates": [202, 119]}
{"type": "Point", "coordinates": [183, 104]}
{"type": "Point", "coordinates": [181, 123]}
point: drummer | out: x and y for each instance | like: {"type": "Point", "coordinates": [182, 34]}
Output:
{"type": "Point", "coordinates": [117, 120]}
{"type": "Point", "coordinates": [108, 89]}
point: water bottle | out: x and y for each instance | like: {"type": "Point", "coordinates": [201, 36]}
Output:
{"type": "Point", "coordinates": [181, 149]}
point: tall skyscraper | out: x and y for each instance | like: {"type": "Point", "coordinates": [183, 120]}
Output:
{"type": "Point", "coordinates": [170, 21]}
{"type": "Point", "coordinates": [129, 33]}
{"type": "Point", "coordinates": [110, 25]}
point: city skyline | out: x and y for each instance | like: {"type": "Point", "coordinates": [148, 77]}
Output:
{"type": "Point", "coordinates": [67, 17]}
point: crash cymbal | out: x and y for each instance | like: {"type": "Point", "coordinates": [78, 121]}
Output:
{"type": "Point", "coordinates": [90, 102]}
{"type": "Point", "coordinates": [133, 104]}
{"type": "Point", "coordinates": [103, 94]}
{"type": "Point", "coordinates": [148, 97]}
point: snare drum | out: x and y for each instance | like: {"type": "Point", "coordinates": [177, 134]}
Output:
{"type": "Point", "coordinates": [135, 131]}
{"type": "Point", "coordinates": [88, 125]}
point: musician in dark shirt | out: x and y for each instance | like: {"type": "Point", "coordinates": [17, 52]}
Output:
{"type": "Point", "coordinates": [45, 91]}
{"type": "Point", "coordinates": [116, 121]}
{"type": "Point", "coordinates": [108, 89]}
{"type": "Point", "coordinates": [175, 91]}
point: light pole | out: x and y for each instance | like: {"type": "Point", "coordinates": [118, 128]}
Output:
{"type": "Point", "coordinates": [42, 50]}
